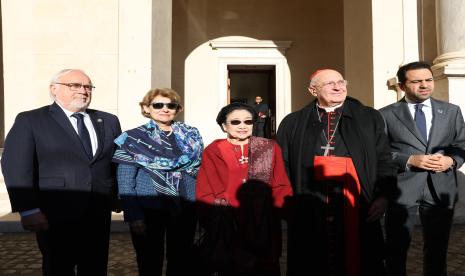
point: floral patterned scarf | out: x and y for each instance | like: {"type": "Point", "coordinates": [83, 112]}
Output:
{"type": "Point", "coordinates": [148, 147]}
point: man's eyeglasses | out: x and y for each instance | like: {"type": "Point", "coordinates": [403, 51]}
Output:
{"type": "Point", "coordinates": [238, 122]}
{"type": "Point", "coordinates": [171, 106]}
{"type": "Point", "coordinates": [76, 86]}
{"type": "Point", "coordinates": [334, 83]}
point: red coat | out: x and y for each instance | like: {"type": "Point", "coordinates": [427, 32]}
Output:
{"type": "Point", "coordinates": [248, 233]}
{"type": "Point", "coordinates": [221, 175]}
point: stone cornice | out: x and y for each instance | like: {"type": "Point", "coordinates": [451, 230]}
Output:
{"type": "Point", "coordinates": [282, 46]}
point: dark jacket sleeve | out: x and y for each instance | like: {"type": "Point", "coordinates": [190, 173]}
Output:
{"type": "Point", "coordinates": [19, 165]}
{"type": "Point", "coordinates": [282, 137]}
{"type": "Point", "coordinates": [457, 149]}
{"type": "Point", "coordinates": [116, 206]}
{"type": "Point", "coordinates": [386, 179]}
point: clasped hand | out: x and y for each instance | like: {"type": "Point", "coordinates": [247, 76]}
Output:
{"type": "Point", "coordinates": [431, 162]}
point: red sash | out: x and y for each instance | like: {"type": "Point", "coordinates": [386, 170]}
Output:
{"type": "Point", "coordinates": [342, 169]}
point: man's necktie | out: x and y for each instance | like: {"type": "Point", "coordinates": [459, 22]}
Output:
{"type": "Point", "coordinates": [420, 120]}
{"type": "Point", "coordinates": [83, 134]}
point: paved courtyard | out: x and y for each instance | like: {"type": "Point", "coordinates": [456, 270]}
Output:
{"type": "Point", "coordinates": [19, 254]}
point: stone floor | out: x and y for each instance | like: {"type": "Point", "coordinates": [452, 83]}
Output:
{"type": "Point", "coordinates": [19, 254]}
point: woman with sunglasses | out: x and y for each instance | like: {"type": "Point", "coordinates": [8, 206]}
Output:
{"type": "Point", "coordinates": [157, 169]}
{"type": "Point", "coordinates": [241, 186]}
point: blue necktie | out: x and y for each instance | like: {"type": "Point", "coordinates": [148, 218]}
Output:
{"type": "Point", "coordinates": [83, 134]}
{"type": "Point", "coordinates": [420, 120]}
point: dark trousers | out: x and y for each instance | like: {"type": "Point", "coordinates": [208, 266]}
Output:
{"type": "Point", "coordinates": [150, 247]}
{"type": "Point", "coordinates": [76, 245]}
{"type": "Point", "coordinates": [307, 241]}
{"type": "Point", "coordinates": [436, 224]}
{"type": "Point", "coordinates": [259, 129]}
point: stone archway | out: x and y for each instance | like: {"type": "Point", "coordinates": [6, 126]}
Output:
{"type": "Point", "coordinates": [206, 78]}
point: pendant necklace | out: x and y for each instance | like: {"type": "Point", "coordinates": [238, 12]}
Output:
{"type": "Point", "coordinates": [328, 146]}
{"type": "Point", "coordinates": [243, 159]}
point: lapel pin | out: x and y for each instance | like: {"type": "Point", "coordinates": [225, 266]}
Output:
{"type": "Point", "coordinates": [99, 120]}
{"type": "Point", "coordinates": [440, 111]}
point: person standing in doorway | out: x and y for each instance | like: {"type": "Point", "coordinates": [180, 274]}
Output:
{"type": "Point", "coordinates": [263, 112]}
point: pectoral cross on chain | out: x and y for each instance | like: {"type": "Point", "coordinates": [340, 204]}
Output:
{"type": "Point", "coordinates": [327, 148]}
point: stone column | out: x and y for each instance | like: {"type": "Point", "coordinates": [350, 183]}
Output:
{"type": "Point", "coordinates": [449, 66]}
{"type": "Point", "coordinates": [409, 42]}
{"type": "Point", "coordinates": [162, 17]}
{"type": "Point", "coordinates": [144, 54]}
{"type": "Point", "coordinates": [449, 69]}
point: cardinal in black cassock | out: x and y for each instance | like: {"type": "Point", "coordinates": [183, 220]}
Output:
{"type": "Point", "coordinates": [337, 157]}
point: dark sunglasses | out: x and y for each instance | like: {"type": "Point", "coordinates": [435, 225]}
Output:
{"type": "Point", "coordinates": [238, 122]}
{"type": "Point", "coordinates": [168, 105]}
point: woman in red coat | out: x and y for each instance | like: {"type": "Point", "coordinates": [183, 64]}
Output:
{"type": "Point", "coordinates": [241, 187]}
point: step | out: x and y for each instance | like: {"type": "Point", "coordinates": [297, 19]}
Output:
{"type": "Point", "coordinates": [10, 223]}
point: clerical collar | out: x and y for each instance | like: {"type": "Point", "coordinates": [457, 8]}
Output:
{"type": "Point", "coordinates": [329, 109]}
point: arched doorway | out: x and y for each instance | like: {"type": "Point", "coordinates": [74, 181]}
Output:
{"type": "Point", "coordinates": [207, 77]}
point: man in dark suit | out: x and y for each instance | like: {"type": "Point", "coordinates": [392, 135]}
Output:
{"type": "Point", "coordinates": [427, 138]}
{"type": "Point", "coordinates": [59, 175]}
{"type": "Point", "coordinates": [337, 157]}
{"type": "Point", "coordinates": [263, 112]}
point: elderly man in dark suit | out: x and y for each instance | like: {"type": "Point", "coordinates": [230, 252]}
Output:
{"type": "Point", "coordinates": [59, 175]}
{"type": "Point", "coordinates": [427, 138]}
